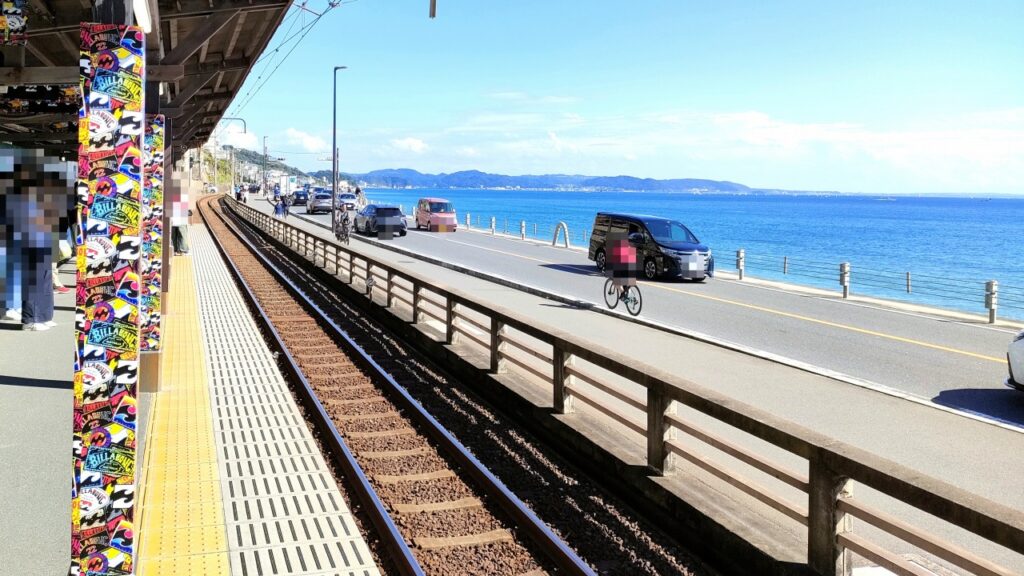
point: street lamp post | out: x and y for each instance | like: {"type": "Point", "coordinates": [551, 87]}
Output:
{"type": "Point", "coordinates": [334, 153]}
{"type": "Point", "coordinates": [245, 129]}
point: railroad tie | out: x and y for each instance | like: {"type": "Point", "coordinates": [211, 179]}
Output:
{"type": "Point", "coordinates": [374, 416]}
{"type": "Point", "coordinates": [353, 401]}
{"type": "Point", "coordinates": [380, 433]}
{"type": "Point", "coordinates": [460, 504]}
{"type": "Point", "coordinates": [397, 453]}
{"type": "Point", "coordinates": [421, 477]}
{"type": "Point", "coordinates": [499, 535]}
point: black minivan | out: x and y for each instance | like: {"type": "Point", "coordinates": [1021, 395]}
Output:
{"type": "Point", "coordinates": [664, 247]}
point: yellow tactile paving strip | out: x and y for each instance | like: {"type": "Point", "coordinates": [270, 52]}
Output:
{"type": "Point", "coordinates": [183, 528]}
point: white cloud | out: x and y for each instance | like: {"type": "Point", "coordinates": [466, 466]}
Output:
{"type": "Point", "coordinates": [414, 145]}
{"type": "Point", "coordinates": [307, 141]}
{"type": "Point", "coordinates": [232, 135]}
{"type": "Point", "coordinates": [509, 95]}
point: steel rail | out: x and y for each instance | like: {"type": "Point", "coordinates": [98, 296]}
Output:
{"type": "Point", "coordinates": [401, 555]}
{"type": "Point", "coordinates": [564, 558]}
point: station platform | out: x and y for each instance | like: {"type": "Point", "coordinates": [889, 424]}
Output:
{"type": "Point", "coordinates": [230, 479]}
{"type": "Point", "coordinates": [233, 482]}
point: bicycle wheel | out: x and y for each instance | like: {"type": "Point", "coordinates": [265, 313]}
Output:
{"type": "Point", "coordinates": [611, 294]}
{"type": "Point", "coordinates": [634, 301]}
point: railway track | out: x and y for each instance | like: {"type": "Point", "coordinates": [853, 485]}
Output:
{"type": "Point", "coordinates": [436, 508]}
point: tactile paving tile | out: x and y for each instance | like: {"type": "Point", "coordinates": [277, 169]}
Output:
{"type": "Point", "coordinates": [283, 511]}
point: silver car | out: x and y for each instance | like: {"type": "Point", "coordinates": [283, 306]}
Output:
{"type": "Point", "coordinates": [1015, 363]}
{"type": "Point", "coordinates": [319, 202]}
{"type": "Point", "coordinates": [349, 200]}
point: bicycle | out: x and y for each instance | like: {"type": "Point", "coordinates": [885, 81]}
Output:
{"type": "Point", "coordinates": [629, 294]}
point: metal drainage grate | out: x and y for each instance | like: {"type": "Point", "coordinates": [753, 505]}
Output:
{"type": "Point", "coordinates": [284, 513]}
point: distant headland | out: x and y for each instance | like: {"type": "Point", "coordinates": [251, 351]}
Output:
{"type": "Point", "coordinates": [408, 178]}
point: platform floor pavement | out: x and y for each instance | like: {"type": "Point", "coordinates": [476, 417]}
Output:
{"type": "Point", "coordinates": [234, 481]}
{"type": "Point", "coordinates": [976, 456]}
{"type": "Point", "coordinates": [36, 398]}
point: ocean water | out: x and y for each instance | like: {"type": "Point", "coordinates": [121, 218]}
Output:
{"type": "Point", "coordinates": [951, 246]}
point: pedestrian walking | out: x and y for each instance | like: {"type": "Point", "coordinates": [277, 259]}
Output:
{"type": "Point", "coordinates": [287, 201]}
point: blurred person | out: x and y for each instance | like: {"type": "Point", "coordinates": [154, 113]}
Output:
{"type": "Point", "coordinates": [621, 266]}
{"type": "Point", "coordinates": [35, 188]}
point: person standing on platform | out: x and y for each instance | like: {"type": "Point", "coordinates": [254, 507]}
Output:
{"type": "Point", "coordinates": [36, 189]}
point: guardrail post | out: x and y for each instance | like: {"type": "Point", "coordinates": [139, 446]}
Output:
{"type": "Point", "coordinates": [825, 521]}
{"type": "Point", "coordinates": [522, 229]}
{"type": "Point", "coordinates": [657, 428]}
{"type": "Point", "coordinates": [391, 278]}
{"type": "Point", "coordinates": [449, 320]}
{"type": "Point", "coordinates": [468, 227]}
{"type": "Point", "coordinates": [740, 257]}
{"type": "Point", "coordinates": [562, 399]}
{"type": "Point", "coordinates": [908, 282]}
{"type": "Point", "coordinates": [844, 278]}
{"type": "Point", "coordinates": [492, 225]}
{"type": "Point", "coordinates": [497, 328]}
{"type": "Point", "coordinates": [415, 302]}
{"type": "Point", "coordinates": [785, 264]}
{"type": "Point", "coordinates": [351, 263]}
{"type": "Point", "coordinates": [992, 299]}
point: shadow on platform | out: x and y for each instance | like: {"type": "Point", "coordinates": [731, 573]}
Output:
{"type": "Point", "coordinates": [1005, 405]}
{"type": "Point", "coordinates": [35, 382]}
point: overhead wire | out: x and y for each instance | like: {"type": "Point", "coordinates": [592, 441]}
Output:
{"type": "Point", "coordinates": [306, 31]}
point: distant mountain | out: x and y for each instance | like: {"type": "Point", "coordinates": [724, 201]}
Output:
{"type": "Point", "coordinates": [405, 177]}
{"type": "Point", "coordinates": [244, 156]}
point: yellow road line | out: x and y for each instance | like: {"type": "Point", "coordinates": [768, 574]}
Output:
{"type": "Point", "coordinates": [779, 312]}
{"type": "Point", "coordinates": [833, 324]}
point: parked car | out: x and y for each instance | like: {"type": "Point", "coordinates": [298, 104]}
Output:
{"type": "Point", "coordinates": [664, 247]}
{"type": "Point", "coordinates": [371, 218]}
{"type": "Point", "coordinates": [319, 202]}
{"type": "Point", "coordinates": [349, 200]}
{"type": "Point", "coordinates": [300, 196]}
{"type": "Point", "coordinates": [435, 214]}
{"type": "Point", "coordinates": [1015, 362]}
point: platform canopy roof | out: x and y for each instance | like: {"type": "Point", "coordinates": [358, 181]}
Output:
{"type": "Point", "coordinates": [202, 50]}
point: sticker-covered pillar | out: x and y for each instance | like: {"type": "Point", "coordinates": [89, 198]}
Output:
{"type": "Point", "coordinates": [111, 125]}
{"type": "Point", "coordinates": [151, 265]}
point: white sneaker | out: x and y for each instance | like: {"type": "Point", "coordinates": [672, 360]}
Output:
{"type": "Point", "coordinates": [36, 327]}
{"type": "Point", "coordinates": [50, 323]}
{"type": "Point", "coordinates": [13, 314]}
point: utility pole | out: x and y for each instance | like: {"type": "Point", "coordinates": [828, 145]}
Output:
{"type": "Point", "coordinates": [266, 191]}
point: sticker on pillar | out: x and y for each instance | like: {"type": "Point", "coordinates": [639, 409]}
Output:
{"type": "Point", "coordinates": [13, 23]}
{"type": "Point", "coordinates": [151, 266]}
{"type": "Point", "coordinates": [110, 196]}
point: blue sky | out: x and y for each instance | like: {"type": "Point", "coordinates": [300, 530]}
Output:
{"type": "Point", "coordinates": [871, 96]}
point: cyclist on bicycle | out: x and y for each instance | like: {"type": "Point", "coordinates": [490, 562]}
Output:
{"type": "Point", "coordinates": [621, 263]}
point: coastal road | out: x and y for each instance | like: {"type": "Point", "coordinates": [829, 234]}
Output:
{"type": "Point", "coordinates": [976, 456]}
{"type": "Point", "coordinates": [957, 363]}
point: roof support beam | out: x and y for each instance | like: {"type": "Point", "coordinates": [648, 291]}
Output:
{"type": "Point", "coordinates": [199, 37]}
{"type": "Point", "coordinates": [186, 9]}
{"type": "Point", "coordinates": [23, 137]}
{"type": "Point", "coordinates": [70, 74]}
{"type": "Point", "coordinates": [190, 89]}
